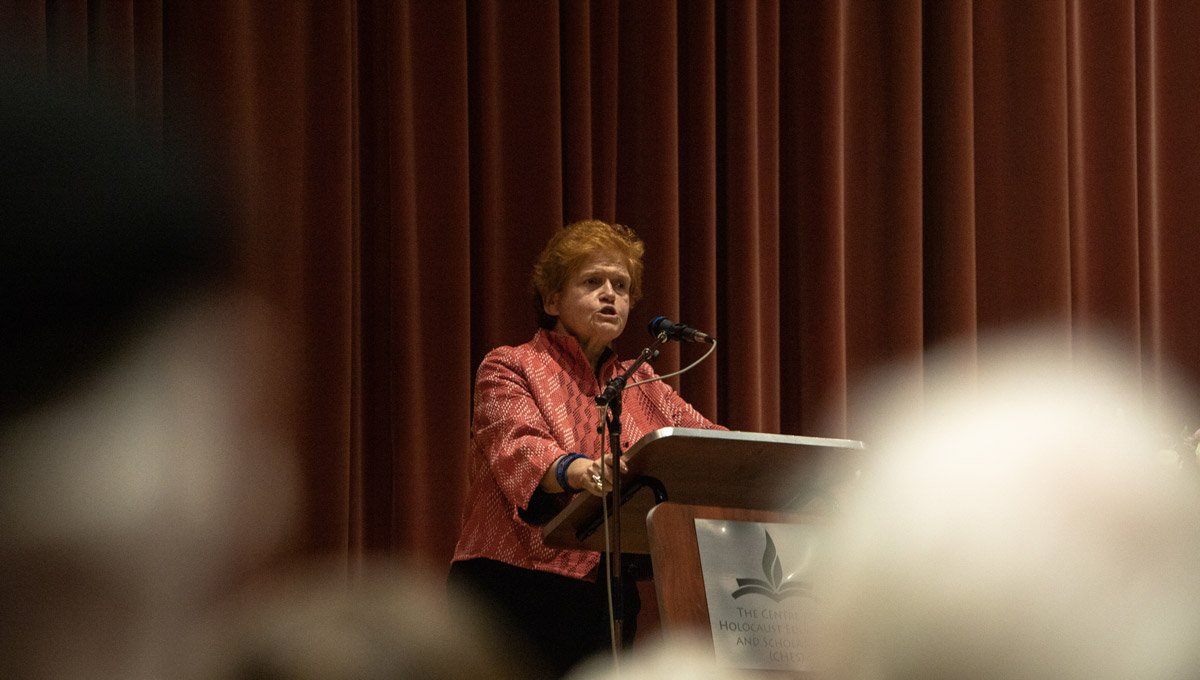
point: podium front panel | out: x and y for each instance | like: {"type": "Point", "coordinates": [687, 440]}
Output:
{"type": "Point", "coordinates": [679, 574]}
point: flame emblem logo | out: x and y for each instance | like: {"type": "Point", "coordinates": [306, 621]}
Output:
{"type": "Point", "coordinates": [774, 586]}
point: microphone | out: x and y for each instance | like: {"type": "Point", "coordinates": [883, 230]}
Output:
{"type": "Point", "coordinates": [678, 331]}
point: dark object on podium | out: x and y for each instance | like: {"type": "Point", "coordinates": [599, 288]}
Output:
{"type": "Point", "coordinates": [749, 470]}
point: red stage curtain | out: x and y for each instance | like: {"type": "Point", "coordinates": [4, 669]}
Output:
{"type": "Point", "coordinates": [826, 186]}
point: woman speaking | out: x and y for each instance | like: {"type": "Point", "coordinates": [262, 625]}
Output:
{"type": "Point", "coordinates": [534, 444]}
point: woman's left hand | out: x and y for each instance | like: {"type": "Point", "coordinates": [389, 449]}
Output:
{"type": "Point", "coordinates": [597, 478]}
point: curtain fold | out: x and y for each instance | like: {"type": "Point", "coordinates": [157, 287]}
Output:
{"type": "Point", "coordinates": [1172, 202]}
{"type": "Point", "coordinates": [883, 200]}
{"type": "Point", "coordinates": [828, 187]}
{"type": "Point", "coordinates": [699, 280]}
{"type": "Point", "coordinates": [948, 174]}
{"type": "Point", "coordinates": [421, 356]}
{"type": "Point", "coordinates": [814, 397]}
{"type": "Point", "coordinates": [1102, 189]}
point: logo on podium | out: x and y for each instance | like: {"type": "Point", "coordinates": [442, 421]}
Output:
{"type": "Point", "coordinates": [760, 623]}
{"type": "Point", "coordinates": [775, 586]}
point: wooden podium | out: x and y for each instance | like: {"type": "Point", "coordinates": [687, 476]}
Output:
{"type": "Point", "coordinates": [677, 475]}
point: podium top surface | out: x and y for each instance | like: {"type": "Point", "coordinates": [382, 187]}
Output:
{"type": "Point", "coordinates": [750, 470]}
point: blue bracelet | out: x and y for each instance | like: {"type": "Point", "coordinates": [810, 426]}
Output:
{"type": "Point", "coordinates": [560, 471]}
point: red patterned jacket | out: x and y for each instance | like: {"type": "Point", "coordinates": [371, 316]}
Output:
{"type": "Point", "coordinates": [534, 403]}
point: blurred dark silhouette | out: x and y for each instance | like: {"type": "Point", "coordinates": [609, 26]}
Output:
{"type": "Point", "coordinates": [143, 464]}
{"type": "Point", "coordinates": [101, 234]}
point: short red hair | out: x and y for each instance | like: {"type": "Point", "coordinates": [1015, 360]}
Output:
{"type": "Point", "coordinates": [566, 252]}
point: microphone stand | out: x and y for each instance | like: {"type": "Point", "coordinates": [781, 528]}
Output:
{"type": "Point", "coordinates": [611, 398]}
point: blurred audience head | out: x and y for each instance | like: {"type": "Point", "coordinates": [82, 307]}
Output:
{"type": "Point", "coordinates": [679, 657]}
{"type": "Point", "coordinates": [141, 459]}
{"type": "Point", "coordinates": [1021, 528]}
{"type": "Point", "coordinates": [383, 622]}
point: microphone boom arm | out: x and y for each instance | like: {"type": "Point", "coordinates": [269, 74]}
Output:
{"type": "Point", "coordinates": [615, 386]}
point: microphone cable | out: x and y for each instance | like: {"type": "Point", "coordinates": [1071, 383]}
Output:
{"type": "Point", "coordinates": [712, 347]}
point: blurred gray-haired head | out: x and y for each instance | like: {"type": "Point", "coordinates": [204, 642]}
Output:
{"type": "Point", "coordinates": [1020, 527]}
